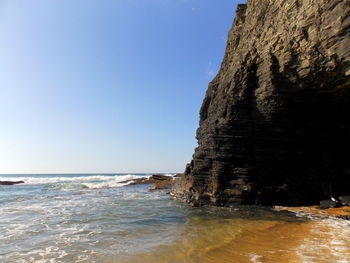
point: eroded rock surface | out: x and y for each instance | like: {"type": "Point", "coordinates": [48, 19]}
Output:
{"type": "Point", "coordinates": [275, 122]}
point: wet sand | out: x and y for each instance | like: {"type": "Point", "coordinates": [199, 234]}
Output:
{"type": "Point", "coordinates": [317, 240]}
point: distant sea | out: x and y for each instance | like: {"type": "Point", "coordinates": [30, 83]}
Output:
{"type": "Point", "coordinates": [97, 218]}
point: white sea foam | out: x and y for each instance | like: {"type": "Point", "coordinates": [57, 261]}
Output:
{"type": "Point", "coordinates": [47, 220]}
{"type": "Point", "coordinates": [254, 258]}
{"type": "Point", "coordinates": [329, 236]}
{"type": "Point", "coordinates": [91, 182]}
{"type": "Point", "coordinates": [47, 255]}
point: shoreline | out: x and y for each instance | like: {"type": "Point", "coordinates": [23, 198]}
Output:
{"type": "Point", "coordinates": [130, 224]}
{"type": "Point", "coordinates": [338, 212]}
{"type": "Point", "coordinates": [244, 240]}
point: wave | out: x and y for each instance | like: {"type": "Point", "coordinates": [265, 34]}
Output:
{"type": "Point", "coordinates": [87, 182]}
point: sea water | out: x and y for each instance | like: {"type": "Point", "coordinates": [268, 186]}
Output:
{"type": "Point", "coordinates": [100, 218]}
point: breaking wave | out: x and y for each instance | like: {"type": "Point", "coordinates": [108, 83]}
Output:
{"type": "Point", "coordinates": [78, 182]}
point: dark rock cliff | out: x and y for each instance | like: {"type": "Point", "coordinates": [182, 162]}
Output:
{"type": "Point", "coordinates": [275, 122]}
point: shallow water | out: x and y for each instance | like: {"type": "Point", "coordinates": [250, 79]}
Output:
{"type": "Point", "coordinates": [95, 218]}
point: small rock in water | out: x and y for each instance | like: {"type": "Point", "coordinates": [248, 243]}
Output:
{"type": "Point", "coordinates": [11, 182]}
{"type": "Point", "coordinates": [345, 200]}
{"type": "Point", "coordinates": [325, 204]}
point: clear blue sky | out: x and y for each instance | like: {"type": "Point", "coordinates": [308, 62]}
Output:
{"type": "Point", "coordinates": [105, 85]}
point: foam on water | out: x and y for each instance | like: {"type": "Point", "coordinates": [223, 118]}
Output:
{"type": "Point", "coordinates": [329, 238]}
{"type": "Point", "coordinates": [255, 258]}
{"type": "Point", "coordinates": [32, 180]}
{"type": "Point", "coordinates": [58, 219]}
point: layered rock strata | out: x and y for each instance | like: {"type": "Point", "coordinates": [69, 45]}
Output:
{"type": "Point", "coordinates": [275, 121]}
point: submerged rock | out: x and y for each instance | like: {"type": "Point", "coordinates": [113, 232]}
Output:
{"type": "Point", "coordinates": [275, 121]}
{"type": "Point", "coordinates": [11, 182]}
{"type": "Point", "coordinates": [325, 204]}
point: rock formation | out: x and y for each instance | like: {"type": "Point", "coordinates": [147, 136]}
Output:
{"type": "Point", "coordinates": [11, 182]}
{"type": "Point", "coordinates": [158, 181]}
{"type": "Point", "coordinates": [275, 121]}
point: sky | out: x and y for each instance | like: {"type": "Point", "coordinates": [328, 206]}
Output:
{"type": "Point", "coordinates": [106, 86]}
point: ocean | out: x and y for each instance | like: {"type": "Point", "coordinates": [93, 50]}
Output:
{"type": "Point", "coordinates": [98, 218]}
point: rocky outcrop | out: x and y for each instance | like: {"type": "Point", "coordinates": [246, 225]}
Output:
{"type": "Point", "coordinates": [158, 181]}
{"type": "Point", "coordinates": [275, 121]}
{"type": "Point", "coordinates": [11, 182]}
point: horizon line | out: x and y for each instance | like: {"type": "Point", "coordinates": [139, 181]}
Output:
{"type": "Point", "coordinates": [90, 173]}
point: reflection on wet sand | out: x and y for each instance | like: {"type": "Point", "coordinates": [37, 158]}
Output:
{"type": "Point", "coordinates": [242, 240]}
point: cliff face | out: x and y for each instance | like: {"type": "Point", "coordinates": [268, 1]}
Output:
{"type": "Point", "coordinates": [275, 122]}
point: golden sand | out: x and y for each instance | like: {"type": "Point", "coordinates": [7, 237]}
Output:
{"type": "Point", "coordinates": [256, 241]}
